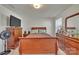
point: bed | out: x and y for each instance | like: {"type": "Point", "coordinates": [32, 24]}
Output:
{"type": "Point", "coordinates": [38, 43]}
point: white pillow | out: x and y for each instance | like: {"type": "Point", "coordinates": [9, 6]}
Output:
{"type": "Point", "coordinates": [34, 31]}
{"type": "Point", "coordinates": [42, 31]}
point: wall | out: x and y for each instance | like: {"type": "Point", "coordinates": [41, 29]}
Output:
{"type": "Point", "coordinates": [2, 27]}
{"type": "Point", "coordinates": [48, 23]}
{"type": "Point", "coordinates": [70, 11]}
{"type": "Point", "coordinates": [4, 14]}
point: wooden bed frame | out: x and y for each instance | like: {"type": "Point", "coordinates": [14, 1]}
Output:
{"type": "Point", "coordinates": [38, 43]}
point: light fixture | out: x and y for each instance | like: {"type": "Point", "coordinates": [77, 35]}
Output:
{"type": "Point", "coordinates": [37, 6]}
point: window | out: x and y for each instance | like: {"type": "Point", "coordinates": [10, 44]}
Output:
{"type": "Point", "coordinates": [58, 24]}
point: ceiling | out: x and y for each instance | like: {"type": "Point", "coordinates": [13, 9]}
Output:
{"type": "Point", "coordinates": [47, 11]}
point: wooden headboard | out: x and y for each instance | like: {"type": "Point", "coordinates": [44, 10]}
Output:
{"type": "Point", "coordinates": [38, 28]}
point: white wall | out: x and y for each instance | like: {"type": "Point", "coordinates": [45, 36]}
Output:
{"type": "Point", "coordinates": [4, 13]}
{"type": "Point", "coordinates": [70, 11]}
{"type": "Point", "coordinates": [3, 24]}
{"type": "Point", "coordinates": [48, 23]}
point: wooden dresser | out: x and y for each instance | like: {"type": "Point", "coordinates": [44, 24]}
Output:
{"type": "Point", "coordinates": [16, 32]}
{"type": "Point", "coordinates": [69, 45]}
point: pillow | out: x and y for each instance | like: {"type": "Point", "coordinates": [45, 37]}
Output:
{"type": "Point", "coordinates": [42, 31]}
{"type": "Point", "coordinates": [34, 31]}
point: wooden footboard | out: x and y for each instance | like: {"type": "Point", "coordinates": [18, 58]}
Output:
{"type": "Point", "coordinates": [38, 46]}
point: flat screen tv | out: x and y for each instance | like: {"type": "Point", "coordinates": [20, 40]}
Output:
{"type": "Point", "coordinates": [14, 21]}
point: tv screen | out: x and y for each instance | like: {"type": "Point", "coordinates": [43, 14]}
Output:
{"type": "Point", "coordinates": [15, 21]}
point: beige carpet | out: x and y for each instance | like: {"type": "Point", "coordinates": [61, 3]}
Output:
{"type": "Point", "coordinates": [16, 52]}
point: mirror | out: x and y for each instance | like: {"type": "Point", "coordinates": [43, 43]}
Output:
{"type": "Point", "coordinates": [72, 25]}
